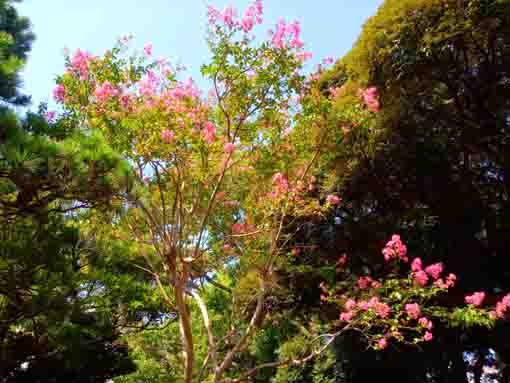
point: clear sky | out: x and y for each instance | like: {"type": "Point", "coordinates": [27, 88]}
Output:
{"type": "Point", "coordinates": [176, 28]}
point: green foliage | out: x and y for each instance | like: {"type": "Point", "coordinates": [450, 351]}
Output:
{"type": "Point", "coordinates": [15, 41]}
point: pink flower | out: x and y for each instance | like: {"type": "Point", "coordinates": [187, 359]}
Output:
{"type": "Point", "coordinates": [421, 277]}
{"type": "Point", "coordinates": [395, 249]}
{"type": "Point", "coordinates": [382, 344]}
{"type": "Point", "coordinates": [476, 299]}
{"type": "Point", "coordinates": [328, 60]}
{"type": "Point", "coordinates": [80, 63]}
{"type": "Point", "coordinates": [370, 98]}
{"type": "Point", "coordinates": [350, 304]}
{"type": "Point", "coordinates": [147, 49]}
{"type": "Point", "coordinates": [434, 270]}
{"type": "Point", "coordinates": [253, 13]}
{"type": "Point", "coordinates": [278, 39]}
{"type": "Point", "coordinates": [209, 132]}
{"type": "Point", "coordinates": [364, 305]}
{"type": "Point", "coordinates": [49, 116]}
{"type": "Point", "coordinates": [229, 148]}
{"type": "Point", "coordinates": [168, 136]}
{"type": "Point", "coordinates": [228, 16]}
{"type": "Point", "coordinates": [382, 309]}
{"type": "Point", "coordinates": [105, 92]}
{"type": "Point", "coordinates": [247, 24]}
{"type": "Point", "coordinates": [294, 30]}
{"type": "Point", "coordinates": [413, 310]}
{"type": "Point", "coordinates": [280, 184]}
{"type": "Point", "coordinates": [59, 93]}
{"type": "Point", "coordinates": [258, 7]}
{"type": "Point", "coordinates": [364, 282]}
{"type": "Point", "coordinates": [425, 323]}
{"type": "Point", "coordinates": [428, 336]}
{"type": "Point", "coordinates": [501, 309]}
{"type": "Point", "coordinates": [148, 85]}
{"type": "Point", "coordinates": [333, 199]}
{"type": "Point", "coordinates": [213, 14]}
{"type": "Point", "coordinates": [346, 316]}
{"type": "Point", "coordinates": [416, 265]}
{"type": "Point", "coordinates": [304, 56]}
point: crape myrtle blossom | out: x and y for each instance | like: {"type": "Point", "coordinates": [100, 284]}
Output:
{"type": "Point", "coordinates": [80, 62]}
{"type": "Point", "coordinates": [168, 136]}
{"type": "Point", "coordinates": [333, 199]}
{"type": "Point", "coordinates": [502, 307]}
{"type": "Point", "coordinates": [370, 98]}
{"type": "Point", "coordinates": [105, 92]}
{"type": "Point", "coordinates": [49, 116]}
{"type": "Point", "coordinates": [252, 15]}
{"type": "Point", "coordinates": [395, 249]}
{"type": "Point", "coordinates": [475, 299]}
{"type": "Point", "coordinates": [147, 49]}
{"type": "Point", "coordinates": [59, 93]}
{"type": "Point", "coordinates": [413, 310]}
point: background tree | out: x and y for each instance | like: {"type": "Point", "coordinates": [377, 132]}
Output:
{"type": "Point", "coordinates": [432, 165]}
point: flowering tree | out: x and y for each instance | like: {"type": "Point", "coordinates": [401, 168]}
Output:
{"type": "Point", "coordinates": [223, 176]}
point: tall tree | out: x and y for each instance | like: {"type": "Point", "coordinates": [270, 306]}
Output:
{"type": "Point", "coordinates": [433, 164]}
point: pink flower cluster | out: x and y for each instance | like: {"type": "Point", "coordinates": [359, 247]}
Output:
{"type": "Point", "coordinates": [475, 299]}
{"type": "Point", "coordinates": [284, 32]}
{"type": "Point", "coordinates": [168, 136]}
{"type": "Point", "coordinates": [252, 14]}
{"type": "Point", "coordinates": [148, 85]}
{"type": "Point", "coordinates": [352, 307]}
{"type": "Point", "coordinates": [304, 56]}
{"type": "Point", "coordinates": [370, 98]}
{"type": "Point", "coordinates": [59, 93]}
{"type": "Point", "coordinates": [147, 49]}
{"type": "Point", "coordinates": [366, 282]}
{"type": "Point", "coordinates": [49, 116]}
{"type": "Point", "coordinates": [413, 310]}
{"type": "Point", "coordinates": [80, 63]}
{"type": "Point", "coordinates": [209, 132]}
{"type": "Point", "coordinates": [426, 323]}
{"type": "Point", "coordinates": [395, 249]}
{"type": "Point", "coordinates": [229, 148]}
{"type": "Point", "coordinates": [328, 60]}
{"type": "Point", "coordinates": [383, 343]}
{"type": "Point", "coordinates": [105, 92]}
{"type": "Point", "coordinates": [421, 276]}
{"type": "Point", "coordinates": [502, 307]}
{"type": "Point", "coordinates": [280, 185]}
{"type": "Point", "coordinates": [333, 199]}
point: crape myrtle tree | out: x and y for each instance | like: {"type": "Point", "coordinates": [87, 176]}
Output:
{"type": "Point", "coordinates": [225, 179]}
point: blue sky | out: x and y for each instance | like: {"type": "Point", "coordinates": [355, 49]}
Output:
{"type": "Point", "coordinates": [176, 28]}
